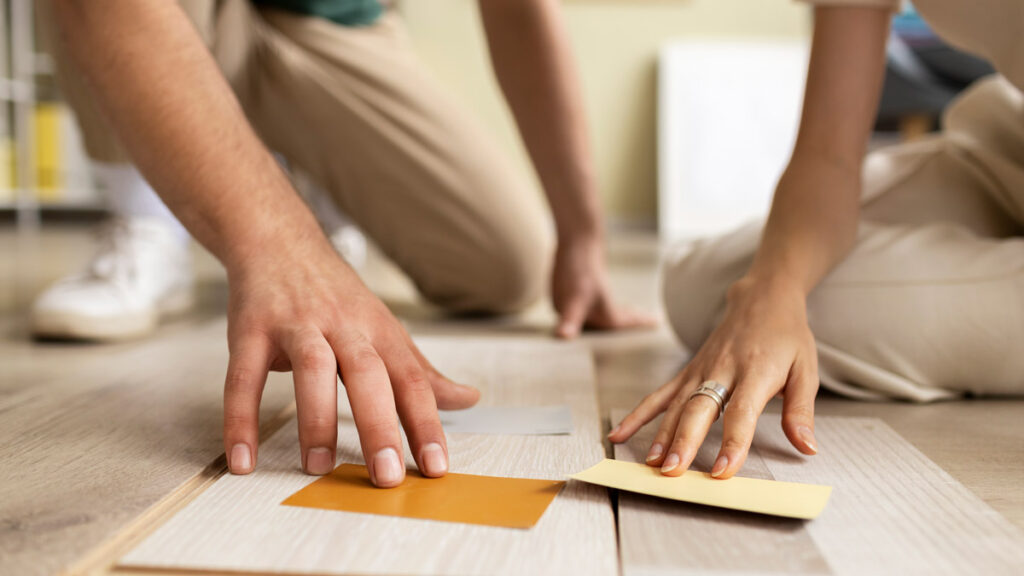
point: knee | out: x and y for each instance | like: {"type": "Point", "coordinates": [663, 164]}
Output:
{"type": "Point", "coordinates": [688, 304]}
{"type": "Point", "coordinates": [696, 277]}
{"type": "Point", "coordinates": [510, 277]}
{"type": "Point", "coordinates": [499, 274]}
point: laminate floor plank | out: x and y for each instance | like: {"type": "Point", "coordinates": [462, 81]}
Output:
{"type": "Point", "coordinates": [93, 439]}
{"type": "Point", "coordinates": [238, 524]}
{"type": "Point", "coordinates": [892, 511]}
{"type": "Point", "coordinates": [128, 424]}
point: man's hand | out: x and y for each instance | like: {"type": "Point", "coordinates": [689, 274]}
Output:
{"type": "Point", "coordinates": [762, 347]}
{"type": "Point", "coordinates": [309, 313]}
{"type": "Point", "coordinates": [532, 59]}
{"type": "Point", "coordinates": [580, 293]}
{"type": "Point", "coordinates": [295, 305]}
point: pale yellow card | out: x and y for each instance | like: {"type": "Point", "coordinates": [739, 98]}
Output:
{"type": "Point", "coordinates": [789, 499]}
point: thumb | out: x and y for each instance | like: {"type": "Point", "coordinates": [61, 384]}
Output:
{"type": "Point", "coordinates": [452, 396]}
{"type": "Point", "coordinates": [573, 315]}
{"type": "Point", "coordinates": [447, 394]}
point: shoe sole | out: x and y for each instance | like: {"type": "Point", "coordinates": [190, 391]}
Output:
{"type": "Point", "coordinates": [70, 326]}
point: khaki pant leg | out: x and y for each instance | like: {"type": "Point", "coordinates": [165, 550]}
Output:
{"type": "Point", "coordinates": [100, 142]}
{"type": "Point", "coordinates": [930, 303]}
{"type": "Point", "coordinates": [356, 110]}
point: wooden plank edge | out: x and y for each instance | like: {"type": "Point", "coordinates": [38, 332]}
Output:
{"type": "Point", "coordinates": [103, 558]}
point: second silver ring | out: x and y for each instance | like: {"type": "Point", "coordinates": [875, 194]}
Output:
{"type": "Point", "coordinates": [715, 391]}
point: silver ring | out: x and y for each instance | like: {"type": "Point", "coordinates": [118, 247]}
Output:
{"type": "Point", "coordinates": [713, 390]}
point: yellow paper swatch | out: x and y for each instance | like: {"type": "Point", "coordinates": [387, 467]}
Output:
{"type": "Point", "coordinates": [487, 500]}
{"type": "Point", "coordinates": [788, 499]}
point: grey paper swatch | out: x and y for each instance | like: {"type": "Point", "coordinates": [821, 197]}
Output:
{"type": "Point", "coordinates": [509, 420]}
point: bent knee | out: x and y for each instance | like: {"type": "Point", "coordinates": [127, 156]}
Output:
{"type": "Point", "coordinates": [500, 276]}
{"type": "Point", "coordinates": [689, 305]}
{"type": "Point", "coordinates": [696, 277]}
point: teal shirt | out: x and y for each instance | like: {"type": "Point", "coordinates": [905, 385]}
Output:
{"type": "Point", "coordinates": [344, 12]}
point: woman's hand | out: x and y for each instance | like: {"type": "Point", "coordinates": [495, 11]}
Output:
{"type": "Point", "coordinates": [763, 347]}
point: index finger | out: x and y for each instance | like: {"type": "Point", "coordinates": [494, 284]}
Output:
{"type": "Point", "coordinates": [243, 388]}
{"type": "Point", "coordinates": [448, 395]}
{"type": "Point", "coordinates": [417, 408]}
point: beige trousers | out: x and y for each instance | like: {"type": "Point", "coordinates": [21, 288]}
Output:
{"type": "Point", "coordinates": [354, 108]}
{"type": "Point", "coordinates": [930, 302]}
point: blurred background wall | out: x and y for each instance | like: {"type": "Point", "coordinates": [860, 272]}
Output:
{"type": "Point", "coordinates": [616, 43]}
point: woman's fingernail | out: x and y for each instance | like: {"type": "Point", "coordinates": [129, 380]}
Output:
{"type": "Point", "coordinates": [434, 461]}
{"type": "Point", "coordinates": [656, 451]}
{"type": "Point", "coordinates": [615, 430]}
{"type": "Point", "coordinates": [670, 463]}
{"type": "Point", "coordinates": [807, 437]}
{"type": "Point", "coordinates": [319, 461]}
{"type": "Point", "coordinates": [387, 469]}
{"type": "Point", "coordinates": [720, 465]}
{"type": "Point", "coordinates": [241, 459]}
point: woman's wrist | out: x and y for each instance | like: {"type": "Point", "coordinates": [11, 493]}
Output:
{"type": "Point", "coordinates": [778, 289]}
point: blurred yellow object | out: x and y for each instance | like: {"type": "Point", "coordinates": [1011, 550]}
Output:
{"type": "Point", "coordinates": [6, 170]}
{"type": "Point", "coordinates": [48, 123]}
{"type": "Point", "coordinates": [49, 118]}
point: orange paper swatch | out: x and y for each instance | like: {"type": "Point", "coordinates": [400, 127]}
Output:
{"type": "Point", "coordinates": [486, 500]}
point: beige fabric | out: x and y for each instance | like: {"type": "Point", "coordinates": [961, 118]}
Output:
{"type": "Point", "coordinates": [930, 303]}
{"type": "Point", "coordinates": [887, 4]}
{"type": "Point", "coordinates": [353, 108]}
{"type": "Point", "coordinates": [991, 29]}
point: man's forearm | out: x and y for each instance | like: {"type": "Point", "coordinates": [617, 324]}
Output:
{"type": "Point", "coordinates": [534, 66]}
{"type": "Point", "coordinates": [172, 109]}
{"type": "Point", "coordinates": [813, 222]}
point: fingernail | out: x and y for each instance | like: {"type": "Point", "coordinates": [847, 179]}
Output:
{"type": "Point", "coordinates": [433, 459]}
{"type": "Point", "coordinates": [720, 465]}
{"type": "Point", "coordinates": [319, 461]}
{"type": "Point", "coordinates": [807, 437]}
{"type": "Point", "coordinates": [241, 459]}
{"type": "Point", "coordinates": [656, 451]}
{"type": "Point", "coordinates": [670, 463]}
{"type": "Point", "coordinates": [387, 470]}
{"type": "Point", "coordinates": [615, 430]}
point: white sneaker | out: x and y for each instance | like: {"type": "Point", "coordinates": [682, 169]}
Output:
{"type": "Point", "coordinates": [143, 271]}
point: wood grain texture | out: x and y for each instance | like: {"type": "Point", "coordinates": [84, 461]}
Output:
{"type": "Point", "coordinates": [134, 422]}
{"type": "Point", "coordinates": [92, 436]}
{"type": "Point", "coordinates": [239, 524]}
{"type": "Point", "coordinates": [892, 511]}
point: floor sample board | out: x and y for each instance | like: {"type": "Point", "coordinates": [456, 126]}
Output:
{"type": "Point", "coordinates": [892, 511]}
{"type": "Point", "coordinates": [239, 524]}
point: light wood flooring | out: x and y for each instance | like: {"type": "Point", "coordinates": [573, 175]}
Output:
{"type": "Point", "coordinates": [91, 436]}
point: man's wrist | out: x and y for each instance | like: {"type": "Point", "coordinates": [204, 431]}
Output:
{"type": "Point", "coordinates": [266, 248]}
{"type": "Point", "coordinates": [582, 233]}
